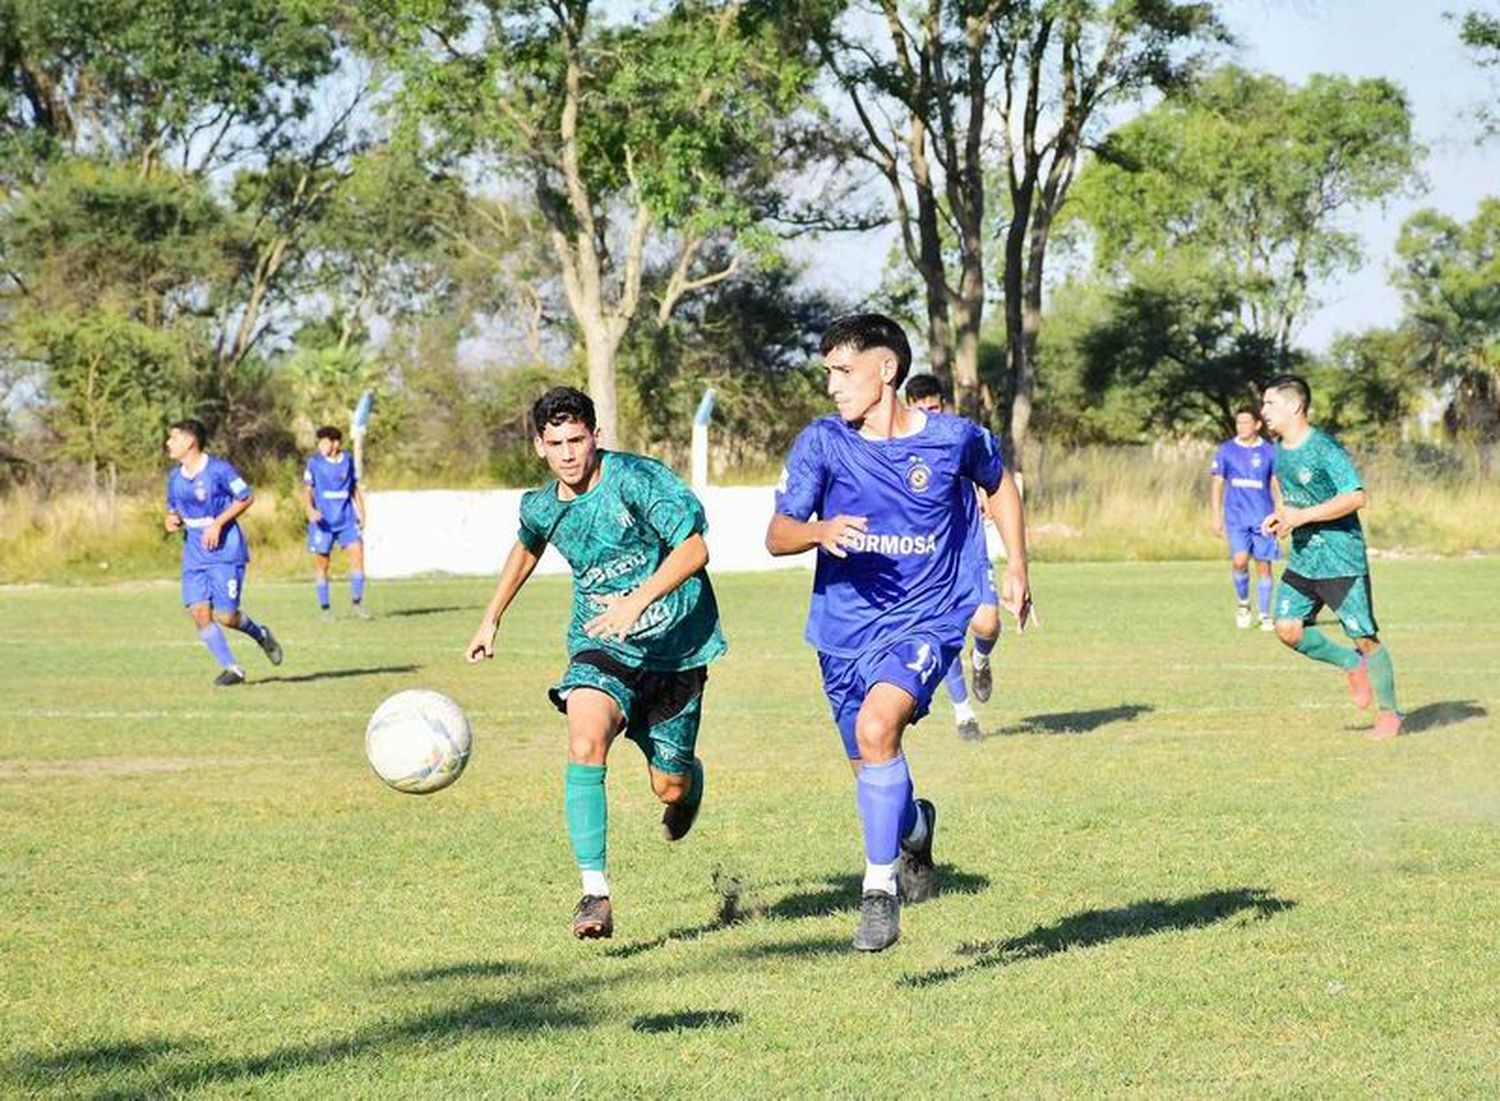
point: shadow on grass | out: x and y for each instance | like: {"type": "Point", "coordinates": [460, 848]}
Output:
{"type": "Point", "coordinates": [1093, 927]}
{"type": "Point", "coordinates": [1430, 716]}
{"type": "Point", "coordinates": [474, 969]}
{"type": "Point", "coordinates": [401, 613]}
{"type": "Point", "coordinates": [1074, 722]}
{"type": "Point", "coordinates": [688, 1021]}
{"type": "Point", "coordinates": [827, 945]}
{"type": "Point", "coordinates": [338, 674]}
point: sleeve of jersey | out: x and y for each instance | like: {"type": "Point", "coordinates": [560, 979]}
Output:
{"type": "Point", "coordinates": [1216, 468]}
{"type": "Point", "coordinates": [799, 493]}
{"type": "Point", "coordinates": [307, 477]}
{"type": "Point", "coordinates": [1341, 469]}
{"type": "Point", "coordinates": [982, 462]}
{"type": "Point", "coordinates": [665, 502]}
{"type": "Point", "coordinates": [237, 485]}
{"type": "Point", "coordinates": [528, 534]}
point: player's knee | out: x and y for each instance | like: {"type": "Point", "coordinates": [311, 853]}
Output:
{"type": "Point", "coordinates": [877, 737]}
{"type": "Point", "coordinates": [986, 622]}
{"type": "Point", "coordinates": [1289, 631]}
{"type": "Point", "coordinates": [1240, 561]}
{"type": "Point", "coordinates": [202, 617]}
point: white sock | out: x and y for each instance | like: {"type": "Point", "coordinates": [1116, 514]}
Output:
{"type": "Point", "coordinates": [962, 712]}
{"type": "Point", "coordinates": [595, 884]}
{"type": "Point", "coordinates": [918, 833]}
{"type": "Point", "coordinates": [881, 877]}
{"type": "Point", "coordinates": [978, 660]}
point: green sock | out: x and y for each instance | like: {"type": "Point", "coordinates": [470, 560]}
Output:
{"type": "Point", "coordinates": [1318, 646]}
{"type": "Point", "coordinates": [588, 814]}
{"type": "Point", "coordinates": [1383, 679]}
{"type": "Point", "coordinates": [695, 794]}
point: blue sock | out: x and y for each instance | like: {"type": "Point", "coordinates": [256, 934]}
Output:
{"type": "Point", "coordinates": [954, 679]}
{"type": "Point", "coordinates": [1241, 584]}
{"type": "Point", "coordinates": [1264, 587]}
{"type": "Point", "coordinates": [985, 645]}
{"type": "Point", "coordinates": [357, 586]}
{"type": "Point", "coordinates": [217, 644]}
{"type": "Point", "coordinates": [884, 794]}
{"type": "Point", "coordinates": [251, 628]}
{"type": "Point", "coordinates": [322, 587]}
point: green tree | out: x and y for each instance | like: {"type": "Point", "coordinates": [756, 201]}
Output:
{"type": "Point", "coordinates": [1480, 32]}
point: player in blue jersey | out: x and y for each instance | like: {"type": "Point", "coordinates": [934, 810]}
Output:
{"type": "Point", "coordinates": [335, 513]}
{"type": "Point", "coordinates": [1244, 485]}
{"type": "Point", "coordinates": [205, 498]}
{"type": "Point", "coordinates": [892, 596]}
{"type": "Point", "coordinates": [925, 392]}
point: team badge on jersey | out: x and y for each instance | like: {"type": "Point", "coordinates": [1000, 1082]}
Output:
{"type": "Point", "coordinates": [200, 491]}
{"type": "Point", "coordinates": [1304, 475]}
{"type": "Point", "coordinates": [918, 475]}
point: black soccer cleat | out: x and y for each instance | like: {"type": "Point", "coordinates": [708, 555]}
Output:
{"type": "Point", "coordinates": [916, 875]}
{"type": "Point", "coordinates": [678, 818]}
{"type": "Point", "coordinates": [593, 918]}
{"type": "Point", "coordinates": [879, 922]}
{"type": "Point", "coordinates": [229, 677]}
{"type": "Point", "coordinates": [969, 731]}
{"type": "Point", "coordinates": [270, 647]}
{"type": "Point", "coordinates": [983, 681]}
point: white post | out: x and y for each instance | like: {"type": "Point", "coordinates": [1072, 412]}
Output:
{"type": "Point", "coordinates": [358, 424]}
{"type": "Point", "coordinates": [700, 439]}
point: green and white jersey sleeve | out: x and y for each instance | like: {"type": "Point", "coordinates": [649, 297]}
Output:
{"type": "Point", "coordinates": [1317, 470]}
{"type": "Point", "coordinates": [614, 537]}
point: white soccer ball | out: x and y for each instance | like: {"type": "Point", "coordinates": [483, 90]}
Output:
{"type": "Point", "coordinates": [418, 741]}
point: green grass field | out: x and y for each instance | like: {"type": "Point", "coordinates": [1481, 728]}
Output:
{"type": "Point", "coordinates": [1174, 867]}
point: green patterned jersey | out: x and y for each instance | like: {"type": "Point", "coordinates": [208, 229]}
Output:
{"type": "Point", "coordinates": [615, 536]}
{"type": "Point", "coordinates": [1315, 471]}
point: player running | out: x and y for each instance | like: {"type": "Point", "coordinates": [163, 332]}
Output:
{"type": "Point", "coordinates": [205, 498]}
{"type": "Point", "coordinates": [1248, 464]}
{"type": "Point", "coordinates": [925, 392]}
{"type": "Point", "coordinates": [1322, 495]}
{"type": "Point", "coordinates": [335, 509]}
{"type": "Point", "coordinates": [644, 628]}
{"type": "Point", "coordinates": [892, 596]}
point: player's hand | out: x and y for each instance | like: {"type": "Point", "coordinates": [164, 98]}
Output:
{"type": "Point", "coordinates": [840, 532]}
{"type": "Point", "coordinates": [621, 610]}
{"type": "Point", "coordinates": [1218, 525]}
{"type": "Point", "coordinates": [1015, 597]}
{"type": "Point", "coordinates": [314, 516]}
{"type": "Point", "coordinates": [212, 535]}
{"type": "Point", "coordinates": [482, 645]}
{"type": "Point", "coordinates": [1282, 522]}
{"type": "Point", "coordinates": [173, 523]}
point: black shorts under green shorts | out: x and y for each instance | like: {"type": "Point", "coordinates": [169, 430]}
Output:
{"type": "Point", "coordinates": [661, 709]}
{"type": "Point", "coordinates": [1301, 598]}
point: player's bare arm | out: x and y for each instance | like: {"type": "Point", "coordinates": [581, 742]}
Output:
{"type": "Point", "coordinates": [215, 531]}
{"type": "Point", "coordinates": [623, 609]}
{"type": "Point", "coordinates": [172, 522]}
{"type": "Point", "coordinates": [1285, 520]}
{"type": "Point", "coordinates": [787, 536]}
{"type": "Point", "coordinates": [1009, 517]}
{"type": "Point", "coordinates": [519, 565]}
{"type": "Point", "coordinates": [1216, 507]}
{"type": "Point", "coordinates": [359, 506]}
{"type": "Point", "coordinates": [313, 515]}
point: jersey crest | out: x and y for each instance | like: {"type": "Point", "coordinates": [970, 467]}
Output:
{"type": "Point", "coordinates": [918, 475]}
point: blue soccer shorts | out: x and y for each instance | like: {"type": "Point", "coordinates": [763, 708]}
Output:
{"type": "Point", "coordinates": [321, 537]}
{"type": "Point", "coordinates": [219, 585]}
{"type": "Point", "coordinates": [914, 663]}
{"type": "Point", "coordinates": [1248, 538]}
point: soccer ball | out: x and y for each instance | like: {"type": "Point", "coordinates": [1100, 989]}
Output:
{"type": "Point", "coordinates": [418, 741]}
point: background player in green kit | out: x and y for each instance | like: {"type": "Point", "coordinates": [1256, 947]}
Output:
{"type": "Point", "coordinates": [644, 626]}
{"type": "Point", "coordinates": [1321, 497]}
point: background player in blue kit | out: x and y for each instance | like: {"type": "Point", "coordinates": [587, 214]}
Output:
{"type": "Point", "coordinates": [891, 594]}
{"type": "Point", "coordinates": [1243, 474]}
{"type": "Point", "coordinates": [205, 497]}
{"type": "Point", "coordinates": [335, 512]}
{"type": "Point", "coordinates": [925, 392]}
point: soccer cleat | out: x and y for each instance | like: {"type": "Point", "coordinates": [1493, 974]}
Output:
{"type": "Point", "coordinates": [1387, 726]}
{"type": "Point", "coordinates": [229, 677]}
{"type": "Point", "coordinates": [1242, 617]}
{"type": "Point", "coordinates": [1267, 623]}
{"type": "Point", "coordinates": [593, 919]}
{"type": "Point", "coordinates": [984, 679]}
{"type": "Point", "coordinates": [325, 615]}
{"type": "Point", "coordinates": [678, 818]}
{"type": "Point", "coordinates": [270, 647]}
{"type": "Point", "coordinates": [916, 877]}
{"type": "Point", "coordinates": [1359, 684]}
{"type": "Point", "coordinates": [968, 730]}
{"type": "Point", "coordinates": [879, 922]}
{"type": "Point", "coordinates": [359, 612]}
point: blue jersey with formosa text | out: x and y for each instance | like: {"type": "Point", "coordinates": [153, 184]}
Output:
{"type": "Point", "coordinates": [909, 569]}
{"type": "Point", "coordinates": [332, 482]}
{"type": "Point", "coordinates": [198, 499]}
{"type": "Point", "coordinates": [1247, 481]}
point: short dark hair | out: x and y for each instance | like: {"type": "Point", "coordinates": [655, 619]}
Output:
{"type": "Point", "coordinates": [560, 405]}
{"type": "Point", "coordinates": [1297, 385]}
{"type": "Point", "coordinates": [863, 331]}
{"type": "Point", "coordinates": [194, 428]}
{"type": "Point", "coordinates": [1248, 410]}
{"type": "Point", "coordinates": [923, 386]}
{"type": "Point", "coordinates": [329, 432]}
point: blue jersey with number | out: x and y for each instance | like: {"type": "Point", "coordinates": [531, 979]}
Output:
{"type": "Point", "coordinates": [198, 499]}
{"type": "Point", "coordinates": [332, 482]}
{"type": "Point", "coordinates": [917, 494]}
{"type": "Point", "coordinates": [1247, 481]}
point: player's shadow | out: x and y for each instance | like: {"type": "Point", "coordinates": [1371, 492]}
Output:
{"type": "Point", "coordinates": [840, 894]}
{"type": "Point", "coordinates": [689, 1021]}
{"type": "Point", "coordinates": [1074, 722]}
{"type": "Point", "coordinates": [825, 945]}
{"type": "Point", "coordinates": [1430, 716]}
{"type": "Point", "coordinates": [474, 969]}
{"type": "Point", "coordinates": [1089, 928]}
{"type": "Point", "coordinates": [338, 674]}
{"type": "Point", "coordinates": [401, 613]}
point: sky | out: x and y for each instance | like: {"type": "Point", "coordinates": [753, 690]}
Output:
{"type": "Point", "coordinates": [1407, 41]}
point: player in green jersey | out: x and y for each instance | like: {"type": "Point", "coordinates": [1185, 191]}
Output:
{"type": "Point", "coordinates": [644, 626]}
{"type": "Point", "coordinates": [1321, 497]}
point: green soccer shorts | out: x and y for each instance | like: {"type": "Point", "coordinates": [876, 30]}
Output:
{"type": "Point", "coordinates": [662, 709]}
{"type": "Point", "coordinates": [1301, 598]}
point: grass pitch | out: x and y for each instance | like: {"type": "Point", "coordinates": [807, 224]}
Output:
{"type": "Point", "coordinates": [1175, 865]}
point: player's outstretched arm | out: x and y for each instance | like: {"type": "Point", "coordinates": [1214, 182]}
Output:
{"type": "Point", "coordinates": [622, 611]}
{"type": "Point", "coordinates": [1009, 516]}
{"type": "Point", "coordinates": [788, 536]}
{"type": "Point", "coordinates": [1216, 506]}
{"type": "Point", "coordinates": [519, 564]}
